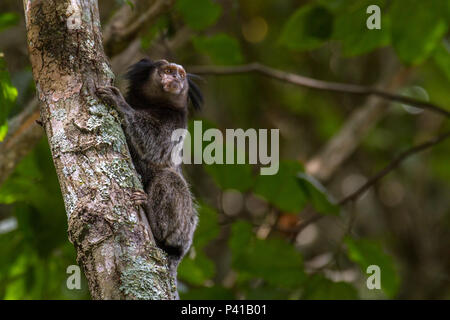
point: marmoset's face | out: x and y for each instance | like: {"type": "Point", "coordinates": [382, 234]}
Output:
{"type": "Point", "coordinates": [173, 78]}
{"type": "Point", "coordinates": [167, 84]}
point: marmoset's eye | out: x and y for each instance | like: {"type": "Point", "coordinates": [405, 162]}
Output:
{"type": "Point", "coordinates": [167, 71]}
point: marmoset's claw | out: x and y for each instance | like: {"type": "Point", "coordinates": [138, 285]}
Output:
{"type": "Point", "coordinates": [139, 197]}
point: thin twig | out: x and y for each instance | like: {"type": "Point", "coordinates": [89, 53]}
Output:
{"type": "Point", "coordinates": [158, 8]}
{"type": "Point", "coordinates": [315, 84]}
{"type": "Point", "coordinates": [392, 165]}
{"type": "Point", "coordinates": [125, 26]}
{"type": "Point", "coordinates": [326, 162]}
{"type": "Point", "coordinates": [23, 135]}
{"type": "Point", "coordinates": [372, 181]}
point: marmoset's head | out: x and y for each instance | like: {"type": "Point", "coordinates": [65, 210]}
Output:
{"type": "Point", "coordinates": [162, 84]}
{"type": "Point", "coordinates": [172, 78]}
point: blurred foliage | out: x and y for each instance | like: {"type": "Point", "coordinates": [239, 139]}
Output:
{"type": "Point", "coordinates": [255, 258]}
{"type": "Point", "coordinates": [308, 28]}
{"type": "Point", "coordinates": [8, 95]}
{"type": "Point", "coordinates": [221, 48]}
{"type": "Point", "coordinates": [244, 246]}
{"type": "Point", "coordinates": [365, 253]}
{"type": "Point", "coordinates": [349, 28]}
{"type": "Point", "coordinates": [199, 14]}
{"type": "Point", "coordinates": [8, 19]}
{"type": "Point", "coordinates": [36, 254]}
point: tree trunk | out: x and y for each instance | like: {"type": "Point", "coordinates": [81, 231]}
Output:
{"type": "Point", "coordinates": [112, 238]}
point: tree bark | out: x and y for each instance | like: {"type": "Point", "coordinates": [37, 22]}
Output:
{"type": "Point", "coordinates": [113, 241]}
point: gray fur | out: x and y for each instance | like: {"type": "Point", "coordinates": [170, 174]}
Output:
{"type": "Point", "coordinates": [150, 115]}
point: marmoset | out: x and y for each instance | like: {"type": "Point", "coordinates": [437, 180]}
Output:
{"type": "Point", "coordinates": [156, 104]}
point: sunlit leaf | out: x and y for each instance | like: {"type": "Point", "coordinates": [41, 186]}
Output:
{"type": "Point", "coordinates": [3, 131]}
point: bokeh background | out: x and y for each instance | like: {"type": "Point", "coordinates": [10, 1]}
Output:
{"type": "Point", "coordinates": [257, 238]}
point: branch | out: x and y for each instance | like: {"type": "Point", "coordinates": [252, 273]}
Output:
{"type": "Point", "coordinates": [393, 165]}
{"type": "Point", "coordinates": [316, 84]}
{"type": "Point", "coordinates": [373, 180]}
{"type": "Point", "coordinates": [331, 156]}
{"type": "Point", "coordinates": [128, 23]}
{"type": "Point", "coordinates": [114, 244]}
{"type": "Point", "coordinates": [23, 134]}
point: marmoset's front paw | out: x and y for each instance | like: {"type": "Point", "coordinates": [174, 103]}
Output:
{"type": "Point", "coordinates": [139, 197]}
{"type": "Point", "coordinates": [110, 95]}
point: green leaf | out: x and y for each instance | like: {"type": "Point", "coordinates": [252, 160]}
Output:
{"type": "Point", "coordinates": [442, 57]}
{"type": "Point", "coordinates": [221, 48]}
{"type": "Point", "coordinates": [21, 185]}
{"type": "Point", "coordinates": [318, 287]}
{"type": "Point", "coordinates": [3, 131]}
{"type": "Point", "coordinates": [198, 14]}
{"type": "Point", "coordinates": [208, 227]}
{"type": "Point", "coordinates": [8, 19]}
{"type": "Point", "coordinates": [307, 28]}
{"type": "Point", "coordinates": [350, 28]}
{"type": "Point", "coordinates": [283, 189]}
{"type": "Point", "coordinates": [200, 268]}
{"type": "Point", "coordinates": [254, 258]}
{"type": "Point", "coordinates": [231, 176]}
{"type": "Point", "coordinates": [8, 93]}
{"type": "Point", "coordinates": [242, 234]}
{"type": "Point", "coordinates": [317, 195]}
{"type": "Point", "coordinates": [226, 176]}
{"type": "Point", "coordinates": [417, 28]}
{"type": "Point", "coordinates": [196, 271]}
{"type": "Point", "coordinates": [369, 252]}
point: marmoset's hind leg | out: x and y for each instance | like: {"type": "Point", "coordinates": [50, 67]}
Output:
{"type": "Point", "coordinates": [171, 214]}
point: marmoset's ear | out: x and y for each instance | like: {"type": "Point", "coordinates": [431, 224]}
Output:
{"type": "Point", "coordinates": [195, 94]}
